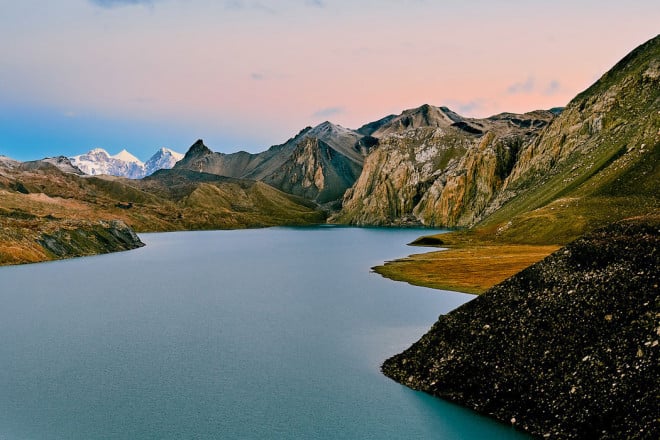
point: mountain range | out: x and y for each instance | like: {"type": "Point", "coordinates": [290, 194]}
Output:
{"type": "Point", "coordinates": [538, 177]}
{"type": "Point", "coordinates": [542, 177]}
{"type": "Point", "coordinates": [124, 164]}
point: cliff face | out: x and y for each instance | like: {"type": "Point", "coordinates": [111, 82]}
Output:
{"type": "Point", "coordinates": [397, 174]}
{"type": "Point", "coordinates": [435, 167]}
{"type": "Point", "coordinates": [568, 348]}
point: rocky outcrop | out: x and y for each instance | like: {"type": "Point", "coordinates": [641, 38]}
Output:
{"type": "Point", "coordinates": [91, 239]}
{"type": "Point", "coordinates": [568, 348]}
{"type": "Point", "coordinates": [29, 238]}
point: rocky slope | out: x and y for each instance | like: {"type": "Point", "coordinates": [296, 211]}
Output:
{"type": "Point", "coordinates": [595, 163]}
{"type": "Point", "coordinates": [318, 163]}
{"type": "Point", "coordinates": [435, 167]}
{"type": "Point", "coordinates": [568, 348]}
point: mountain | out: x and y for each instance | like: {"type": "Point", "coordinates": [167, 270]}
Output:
{"type": "Point", "coordinates": [124, 164]}
{"type": "Point", "coordinates": [98, 161]}
{"type": "Point", "coordinates": [163, 159]}
{"type": "Point", "coordinates": [540, 177]}
{"type": "Point", "coordinates": [428, 147]}
{"type": "Point", "coordinates": [567, 348]}
{"type": "Point", "coordinates": [319, 163]}
{"type": "Point", "coordinates": [60, 162]}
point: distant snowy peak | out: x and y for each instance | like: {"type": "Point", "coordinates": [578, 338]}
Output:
{"type": "Point", "coordinates": [125, 156]}
{"type": "Point", "coordinates": [124, 164]}
{"type": "Point", "coordinates": [163, 159]}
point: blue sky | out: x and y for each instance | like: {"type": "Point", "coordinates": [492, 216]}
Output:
{"type": "Point", "coordinates": [247, 74]}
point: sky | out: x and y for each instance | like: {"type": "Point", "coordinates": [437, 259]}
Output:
{"type": "Point", "coordinates": [248, 74]}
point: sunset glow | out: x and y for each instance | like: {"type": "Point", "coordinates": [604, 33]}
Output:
{"type": "Point", "coordinates": [77, 74]}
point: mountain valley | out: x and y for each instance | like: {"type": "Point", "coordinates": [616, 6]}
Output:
{"type": "Point", "coordinates": [554, 216]}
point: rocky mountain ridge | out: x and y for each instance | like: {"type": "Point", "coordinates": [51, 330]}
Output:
{"type": "Point", "coordinates": [319, 163]}
{"type": "Point", "coordinates": [427, 153]}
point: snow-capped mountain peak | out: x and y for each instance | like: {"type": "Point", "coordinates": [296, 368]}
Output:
{"type": "Point", "coordinates": [164, 158]}
{"type": "Point", "coordinates": [124, 164]}
{"type": "Point", "coordinates": [125, 156]}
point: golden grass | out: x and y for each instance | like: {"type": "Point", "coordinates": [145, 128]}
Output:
{"type": "Point", "coordinates": [469, 267]}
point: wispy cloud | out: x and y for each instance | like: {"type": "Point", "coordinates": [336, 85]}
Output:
{"type": "Point", "coordinates": [238, 5]}
{"type": "Point", "coordinates": [117, 3]}
{"type": "Point", "coordinates": [328, 111]}
{"type": "Point", "coordinates": [315, 3]}
{"type": "Point", "coordinates": [467, 108]}
{"type": "Point", "coordinates": [265, 75]}
{"type": "Point", "coordinates": [523, 87]}
{"type": "Point", "coordinates": [553, 88]}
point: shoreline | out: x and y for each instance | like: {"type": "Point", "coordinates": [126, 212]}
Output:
{"type": "Point", "coordinates": [463, 263]}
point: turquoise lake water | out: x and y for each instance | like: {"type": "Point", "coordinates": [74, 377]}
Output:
{"type": "Point", "coordinates": [256, 334]}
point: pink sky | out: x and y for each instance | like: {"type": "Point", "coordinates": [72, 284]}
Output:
{"type": "Point", "coordinates": [248, 74]}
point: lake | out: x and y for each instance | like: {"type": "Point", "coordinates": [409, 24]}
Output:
{"type": "Point", "coordinates": [254, 334]}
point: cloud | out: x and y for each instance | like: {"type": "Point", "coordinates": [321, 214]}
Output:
{"type": "Point", "coordinates": [315, 3]}
{"type": "Point", "coordinates": [328, 111]}
{"type": "Point", "coordinates": [239, 5]}
{"type": "Point", "coordinates": [523, 87]}
{"type": "Point", "coordinates": [469, 108]}
{"type": "Point", "coordinates": [117, 3]}
{"type": "Point", "coordinates": [257, 76]}
{"type": "Point", "coordinates": [553, 88]}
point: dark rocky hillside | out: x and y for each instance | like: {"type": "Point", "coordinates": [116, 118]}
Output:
{"type": "Point", "coordinates": [568, 348]}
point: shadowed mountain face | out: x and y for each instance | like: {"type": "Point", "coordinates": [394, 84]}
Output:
{"type": "Point", "coordinates": [319, 163]}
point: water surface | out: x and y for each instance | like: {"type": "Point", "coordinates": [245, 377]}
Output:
{"type": "Point", "coordinates": [256, 334]}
